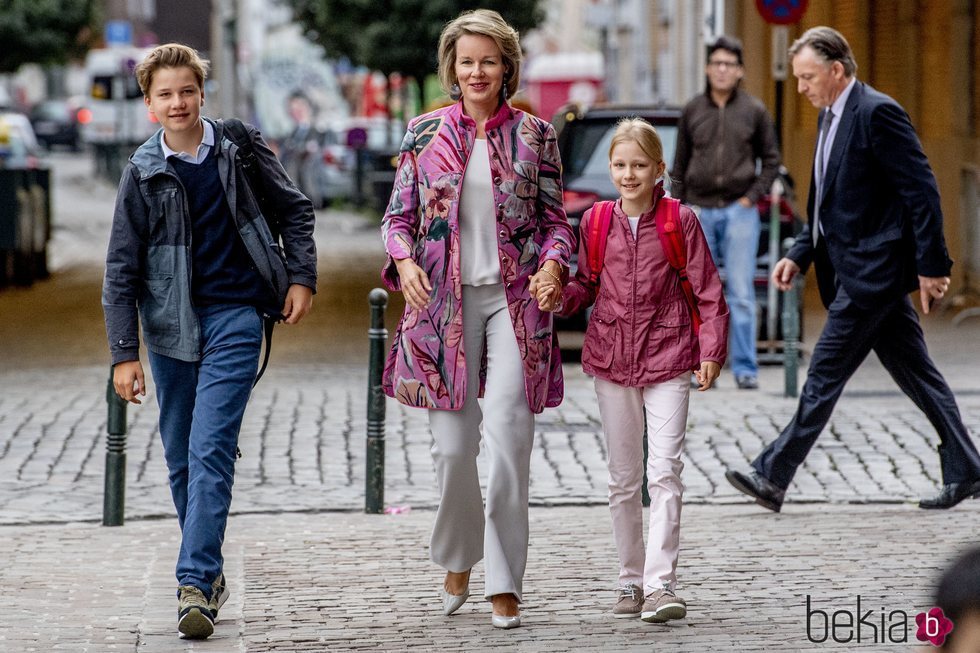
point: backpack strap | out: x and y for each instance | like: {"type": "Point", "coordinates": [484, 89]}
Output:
{"type": "Point", "coordinates": [672, 240]}
{"type": "Point", "coordinates": [596, 237]}
{"type": "Point", "coordinates": [238, 134]}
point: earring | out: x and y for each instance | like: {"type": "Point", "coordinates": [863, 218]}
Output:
{"type": "Point", "coordinates": [454, 92]}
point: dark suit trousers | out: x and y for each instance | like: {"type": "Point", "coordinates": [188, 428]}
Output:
{"type": "Point", "coordinates": [850, 334]}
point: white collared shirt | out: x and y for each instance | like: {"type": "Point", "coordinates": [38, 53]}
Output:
{"type": "Point", "coordinates": [838, 110]}
{"type": "Point", "coordinates": [202, 150]}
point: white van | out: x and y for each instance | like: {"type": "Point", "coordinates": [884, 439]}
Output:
{"type": "Point", "coordinates": [119, 115]}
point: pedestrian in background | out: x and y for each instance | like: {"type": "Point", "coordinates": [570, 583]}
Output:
{"type": "Point", "coordinates": [726, 159]}
{"type": "Point", "coordinates": [198, 274]}
{"type": "Point", "coordinates": [475, 229]}
{"type": "Point", "coordinates": [299, 152]}
{"type": "Point", "coordinates": [640, 345]}
{"type": "Point", "coordinates": [875, 233]}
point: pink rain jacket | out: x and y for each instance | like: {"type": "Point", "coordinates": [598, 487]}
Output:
{"type": "Point", "coordinates": [640, 329]}
{"type": "Point", "coordinates": [426, 366]}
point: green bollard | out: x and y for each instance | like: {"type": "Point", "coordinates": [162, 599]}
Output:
{"type": "Point", "coordinates": [374, 491]}
{"type": "Point", "coordinates": [791, 332]}
{"type": "Point", "coordinates": [114, 495]}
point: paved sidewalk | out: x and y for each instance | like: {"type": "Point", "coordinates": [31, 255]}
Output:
{"type": "Point", "coordinates": [352, 582]}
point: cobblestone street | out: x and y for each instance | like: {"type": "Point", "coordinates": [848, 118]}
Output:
{"type": "Point", "coordinates": [309, 571]}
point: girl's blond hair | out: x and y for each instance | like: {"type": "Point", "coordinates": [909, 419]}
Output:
{"type": "Point", "coordinates": [481, 22]}
{"type": "Point", "coordinates": [643, 134]}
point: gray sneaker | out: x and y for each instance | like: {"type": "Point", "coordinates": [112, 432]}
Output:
{"type": "Point", "coordinates": [219, 594]}
{"type": "Point", "coordinates": [663, 606]}
{"type": "Point", "coordinates": [194, 619]}
{"type": "Point", "coordinates": [629, 603]}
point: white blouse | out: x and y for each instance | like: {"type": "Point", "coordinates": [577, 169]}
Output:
{"type": "Point", "coordinates": [478, 256]}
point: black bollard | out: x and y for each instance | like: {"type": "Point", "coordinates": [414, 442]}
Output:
{"type": "Point", "coordinates": [374, 490]}
{"type": "Point", "coordinates": [791, 331]}
{"type": "Point", "coordinates": [645, 491]}
{"type": "Point", "coordinates": [114, 495]}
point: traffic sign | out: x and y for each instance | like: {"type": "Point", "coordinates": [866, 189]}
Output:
{"type": "Point", "coordinates": [781, 12]}
{"type": "Point", "coordinates": [118, 32]}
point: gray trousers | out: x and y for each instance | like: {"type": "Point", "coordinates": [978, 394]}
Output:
{"type": "Point", "coordinates": [462, 535]}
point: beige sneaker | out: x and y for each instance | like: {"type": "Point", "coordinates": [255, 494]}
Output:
{"type": "Point", "coordinates": [629, 603]}
{"type": "Point", "coordinates": [219, 595]}
{"type": "Point", "coordinates": [663, 606]}
{"type": "Point", "coordinates": [194, 620]}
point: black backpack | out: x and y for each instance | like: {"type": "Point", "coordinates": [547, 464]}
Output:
{"type": "Point", "coordinates": [238, 134]}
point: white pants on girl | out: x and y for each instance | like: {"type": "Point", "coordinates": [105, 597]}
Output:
{"type": "Point", "coordinates": [461, 536]}
{"type": "Point", "coordinates": [621, 409]}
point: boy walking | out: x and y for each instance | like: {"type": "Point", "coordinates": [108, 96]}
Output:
{"type": "Point", "coordinates": [192, 254]}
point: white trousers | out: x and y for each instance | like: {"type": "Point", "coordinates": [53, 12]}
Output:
{"type": "Point", "coordinates": [621, 409]}
{"type": "Point", "coordinates": [461, 535]}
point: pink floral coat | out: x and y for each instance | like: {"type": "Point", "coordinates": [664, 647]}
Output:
{"type": "Point", "coordinates": [426, 366]}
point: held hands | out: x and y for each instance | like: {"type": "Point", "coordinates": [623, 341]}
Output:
{"type": "Point", "coordinates": [128, 381]}
{"type": "Point", "coordinates": [707, 374]}
{"type": "Point", "coordinates": [545, 286]}
{"type": "Point", "coordinates": [932, 289]}
{"type": "Point", "coordinates": [783, 273]}
{"type": "Point", "coordinates": [415, 283]}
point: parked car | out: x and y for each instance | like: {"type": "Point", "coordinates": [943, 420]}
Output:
{"type": "Point", "coordinates": [335, 175]}
{"type": "Point", "coordinates": [584, 136]}
{"type": "Point", "coordinates": [58, 122]}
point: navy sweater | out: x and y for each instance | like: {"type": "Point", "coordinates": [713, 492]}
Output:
{"type": "Point", "coordinates": [222, 271]}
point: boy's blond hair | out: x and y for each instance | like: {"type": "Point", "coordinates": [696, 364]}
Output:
{"type": "Point", "coordinates": [643, 134]}
{"type": "Point", "coordinates": [170, 55]}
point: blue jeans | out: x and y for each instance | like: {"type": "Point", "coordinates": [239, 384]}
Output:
{"type": "Point", "coordinates": [201, 409]}
{"type": "Point", "coordinates": [733, 237]}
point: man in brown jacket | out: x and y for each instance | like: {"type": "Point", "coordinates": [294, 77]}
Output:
{"type": "Point", "coordinates": [722, 134]}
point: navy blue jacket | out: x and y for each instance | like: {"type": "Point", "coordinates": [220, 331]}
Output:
{"type": "Point", "coordinates": [880, 213]}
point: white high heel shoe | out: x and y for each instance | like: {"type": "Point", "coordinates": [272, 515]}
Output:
{"type": "Point", "coordinates": [506, 622]}
{"type": "Point", "coordinates": [453, 602]}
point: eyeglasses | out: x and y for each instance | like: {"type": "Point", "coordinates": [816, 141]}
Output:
{"type": "Point", "coordinates": [724, 64]}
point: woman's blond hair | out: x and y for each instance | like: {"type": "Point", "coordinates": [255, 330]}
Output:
{"type": "Point", "coordinates": [481, 22]}
{"type": "Point", "coordinates": [170, 55]}
{"type": "Point", "coordinates": [643, 134]}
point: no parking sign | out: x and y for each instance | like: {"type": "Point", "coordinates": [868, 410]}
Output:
{"type": "Point", "coordinates": [781, 12]}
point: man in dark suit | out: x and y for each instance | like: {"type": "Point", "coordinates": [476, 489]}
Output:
{"type": "Point", "coordinates": [875, 234]}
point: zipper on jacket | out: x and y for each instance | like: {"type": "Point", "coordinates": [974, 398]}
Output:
{"type": "Point", "coordinates": [633, 242]}
{"type": "Point", "coordinates": [720, 157]}
{"type": "Point", "coordinates": [190, 247]}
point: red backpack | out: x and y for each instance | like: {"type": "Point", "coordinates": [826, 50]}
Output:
{"type": "Point", "coordinates": [668, 221]}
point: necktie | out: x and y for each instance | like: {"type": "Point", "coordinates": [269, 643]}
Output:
{"type": "Point", "coordinates": [828, 119]}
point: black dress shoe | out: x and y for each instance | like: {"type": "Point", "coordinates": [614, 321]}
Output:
{"type": "Point", "coordinates": [951, 494]}
{"type": "Point", "coordinates": [760, 488]}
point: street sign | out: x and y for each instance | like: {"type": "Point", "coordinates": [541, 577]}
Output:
{"type": "Point", "coordinates": [118, 32]}
{"type": "Point", "coordinates": [781, 12]}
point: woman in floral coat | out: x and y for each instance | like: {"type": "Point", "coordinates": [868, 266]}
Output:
{"type": "Point", "coordinates": [474, 231]}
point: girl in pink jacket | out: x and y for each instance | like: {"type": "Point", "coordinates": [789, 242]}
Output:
{"type": "Point", "coordinates": [641, 346]}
